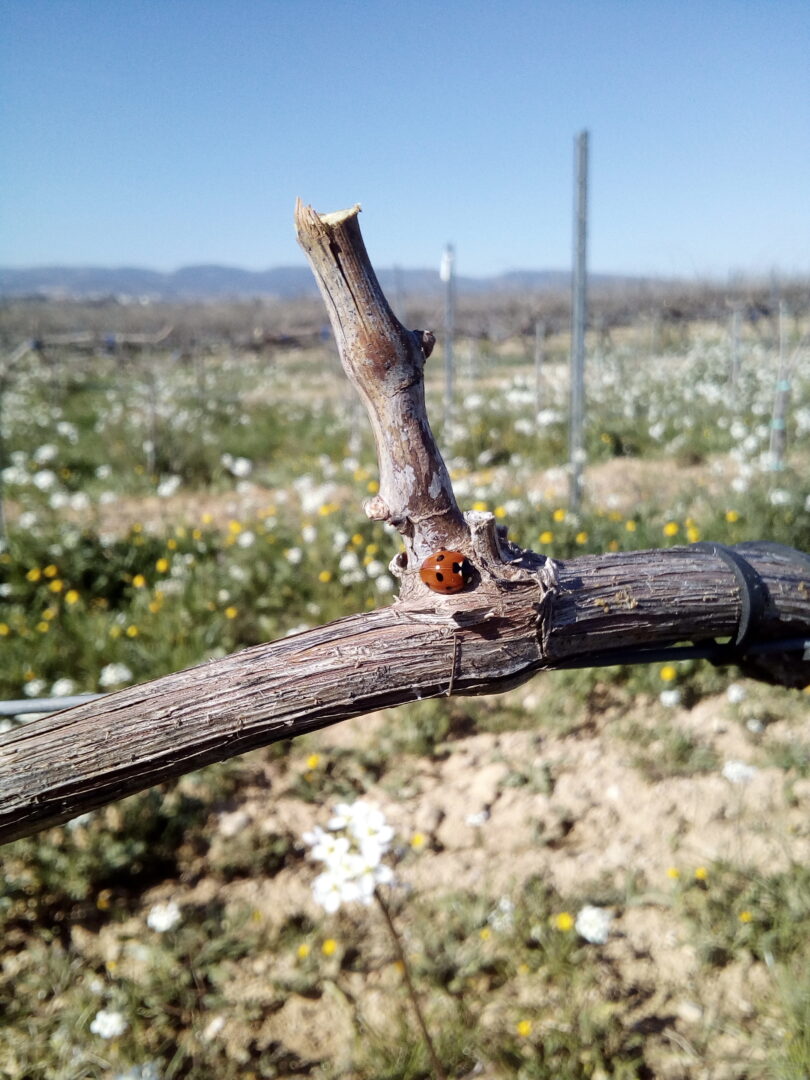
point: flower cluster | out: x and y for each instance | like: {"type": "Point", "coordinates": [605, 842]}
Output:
{"type": "Point", "coordinates": [352, 849]}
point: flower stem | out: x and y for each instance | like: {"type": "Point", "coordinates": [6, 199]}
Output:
{"type": "Point", "coordinates": [436, 1065]}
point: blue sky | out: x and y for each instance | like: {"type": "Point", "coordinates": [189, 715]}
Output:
{"type": "Point", "coordinates": [160, 133]}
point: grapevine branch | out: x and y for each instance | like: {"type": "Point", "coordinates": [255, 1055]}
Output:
{"type": "Point", "coordinates": [522, 612]}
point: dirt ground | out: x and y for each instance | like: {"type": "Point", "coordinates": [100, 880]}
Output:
{"type": "Point", "coordinates": [602, 824]}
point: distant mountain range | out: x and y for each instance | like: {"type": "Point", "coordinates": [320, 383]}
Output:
{"type": "Point", "coordinates": [284, 282]}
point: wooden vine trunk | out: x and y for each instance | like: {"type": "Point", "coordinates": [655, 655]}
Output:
{"type": "Point", "coordinates": [522, 613]}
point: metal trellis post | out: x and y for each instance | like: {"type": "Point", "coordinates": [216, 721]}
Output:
{"type": "Point", "coordinates": [579, 316]}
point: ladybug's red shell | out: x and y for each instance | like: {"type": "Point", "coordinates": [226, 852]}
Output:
{"type": "Point", "coordinates": [446, 571]}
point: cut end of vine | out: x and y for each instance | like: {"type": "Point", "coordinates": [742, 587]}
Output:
{"type": "Point", "coordinates": [304, 212]}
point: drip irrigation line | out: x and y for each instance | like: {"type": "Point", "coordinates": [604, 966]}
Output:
{"type": "Point", "coordinates": [719, 653]}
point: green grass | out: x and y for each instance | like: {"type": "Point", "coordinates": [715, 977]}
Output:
{"type": "Point", "coordinates": [88, 582]}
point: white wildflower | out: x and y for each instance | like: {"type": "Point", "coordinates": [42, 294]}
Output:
{"type": "Point", "coordinates": [45, 453]}
{"type": "Point", "coordinates": [294, 555]}
{"type": "Point", "coordinates": [168, 486]}
{"type": "Point", "coordinates": [593, 924]}
{"type": "Point", "coordinates": [231, 823]}
{"type": "Point", "coordinates": [63, 688]}
{"type": "Point", "coordinates": [503, 917]}
{"type": "Point", "coordinates": [67, 431]}
{"type": "Point", "coordinates": [44, 479]}
{"type": "Point", "coordinates": [163, 917]}
{"type": "Point", "coordinates": [109, 1024]}
{"type": "Point", "coordinates": [34, 688]}
{"type": "Point", "coordinates": [14, 474]}
{"type": "Point", "coordinates": [735, 693]}
{"type": "Point", "coordinates": [240, 467]}
{"type": "Point", "coordinates": [114, 675]}
{"type": "Point", "coordinates": [348, 561]}
{"type": "Point", "coordinates": [339, 539]}
{"type": "Point", "coordinates": [213, 1028]}
{"type": "Point", "coordinates": [670, 699]}
{"type": "Point", "coordinates": [738, 772]}
{"type": "Point", "coordinates": [327, 847]}
{"type": "Point", "coordinates": [351, 850]}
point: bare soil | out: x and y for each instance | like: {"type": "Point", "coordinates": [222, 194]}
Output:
{"type": "Point", "coordinates": [603, 823]}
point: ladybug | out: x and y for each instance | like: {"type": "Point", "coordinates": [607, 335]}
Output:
{"type": "Point", "coordinates": [446, 571]}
